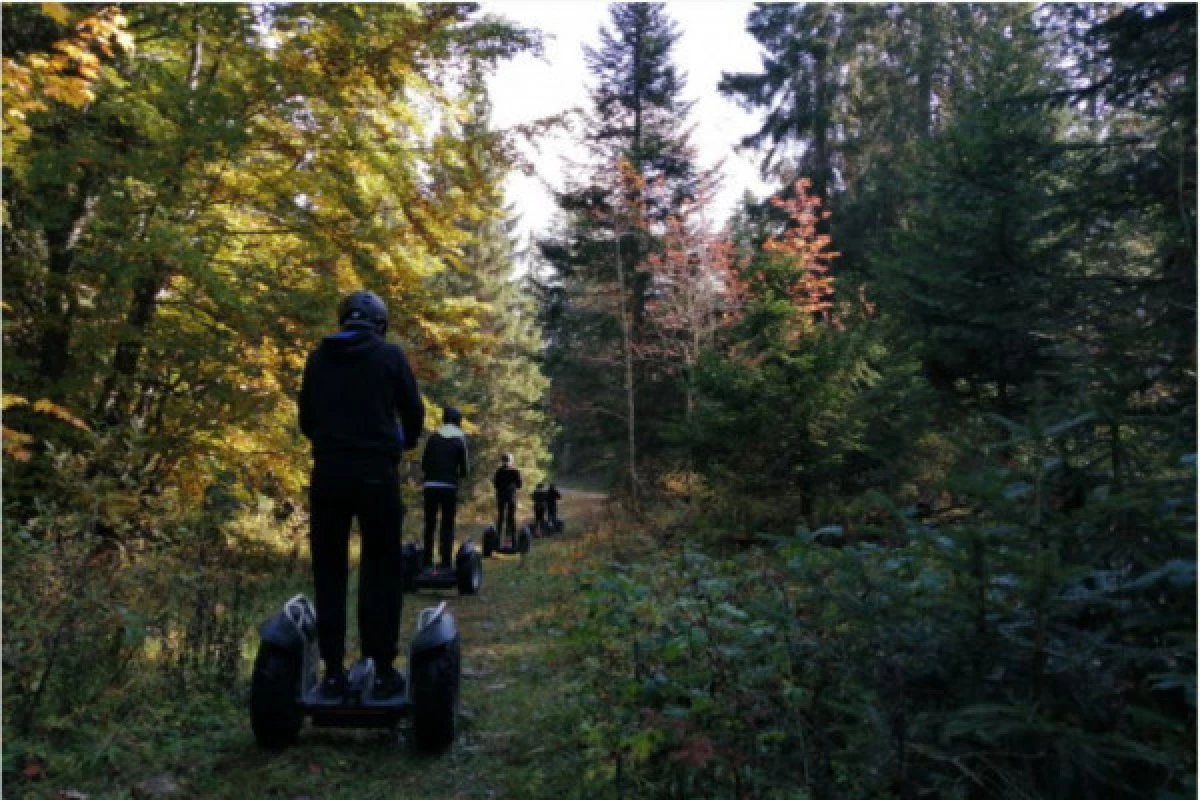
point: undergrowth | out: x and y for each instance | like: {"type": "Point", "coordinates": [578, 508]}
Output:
{"type": "Point", "coordinates": [1008, 651]}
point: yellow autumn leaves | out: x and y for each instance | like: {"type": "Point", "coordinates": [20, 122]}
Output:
{"type": "Point", "coordinates": [66, 75]}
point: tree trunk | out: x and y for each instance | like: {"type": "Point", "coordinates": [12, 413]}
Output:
{"type": "Point", "coordinates": [113, 403]}
{"type": "Point", "coordinates": [60, 299]}
{"type": "Point", "coordinates": [926, 61]}
{"type": "Point", "coordinates": [627, 347]}
{"type": "Point", "coordinates": [113, 398]}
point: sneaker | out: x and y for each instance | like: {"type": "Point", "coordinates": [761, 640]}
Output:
{"type": "Point", "coordinates": [388, 683]}
{"type": "Point", "coordinates": [334, 685]}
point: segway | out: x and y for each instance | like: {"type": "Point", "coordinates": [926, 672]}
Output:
{"type": "Point", "coordinates": [519, 545]}
{"type": "Point", "coordinates": [549, 526]}
{"type": "Point", "coordinates": [466, 575]}
{"type": "Point", "coordinates": [285, 687]}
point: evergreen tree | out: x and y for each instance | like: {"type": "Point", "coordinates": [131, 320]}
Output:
{"type": "Point", "coordinates": [973, 260]}
{"type": "Point", "coordinates": [490, 371]}
{"type": "Point", "coordinates": [613, 220]}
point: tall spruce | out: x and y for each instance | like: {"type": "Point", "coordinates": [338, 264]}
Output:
{"type": "Point", "coordinates": [490, 368]}
{"type": "Point", "coordinates": [612, 221]}
{"type": "Point", "coordinates": [972, 262]}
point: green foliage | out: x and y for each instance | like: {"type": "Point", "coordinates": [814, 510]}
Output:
{"type": "Point", "coordinates": [975, 261]}
{"type": "Point", "coordinates": [996, 656]}
{"type": "Point", "coordinates": [177, 245]}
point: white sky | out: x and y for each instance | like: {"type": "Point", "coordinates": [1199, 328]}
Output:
{"type": "Point", "coordinates": [713, 40]}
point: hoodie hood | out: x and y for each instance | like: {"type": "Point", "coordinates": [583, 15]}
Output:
{"type": "Point", "coordinates": [451, 432]}
{"type": "Point", "coordinates": [351, 343]}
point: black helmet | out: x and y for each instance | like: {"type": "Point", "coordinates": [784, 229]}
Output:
{"type": "Point", "coordinates": [363, 309]}
{"type": "Point", "coordinates": [451, 416]}
{"type": "Point", "coordinates": [506, 459]}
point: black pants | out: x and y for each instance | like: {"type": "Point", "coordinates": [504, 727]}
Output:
{"type": "Point", "coordinates": [539, 514]}
{"type": "Point", "coordinates": [444, 500]}
{"type": "Point", "coordinates": [341, 492]}
{"type": "Point", "coordinates": [552, 509]}
{"type": "Point", "coordinates": [506, 512]}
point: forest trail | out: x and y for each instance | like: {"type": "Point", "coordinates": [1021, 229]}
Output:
{"type": "Point", "coordinates": [513, 703]}
{"type": "Point", "coordinates": [510, 692]}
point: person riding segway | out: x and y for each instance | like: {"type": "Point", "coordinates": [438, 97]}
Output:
{"type": "Point", "coordinates": [354, 386]}
{"type": "Point", "coordinates": [506, 482]}
{"type": "Point", "coordinates": [552, 498]}
{"type": "Point", "coordinates": [539, 509]}
{"type": "Point", "coordinates": [445, 463]}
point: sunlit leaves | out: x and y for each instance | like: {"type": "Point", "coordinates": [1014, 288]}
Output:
{"type": "Point", "coordinates": [208, 202]}
{"type": "Point", "coordinates": [66, 74]}
{"type": "Point", "coordinates": [805, 251]}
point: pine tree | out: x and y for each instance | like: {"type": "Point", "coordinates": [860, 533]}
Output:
{"type": "Point", "coordinates": [613, 221]}
{"type": "Point", "coordinates": [971, 264]}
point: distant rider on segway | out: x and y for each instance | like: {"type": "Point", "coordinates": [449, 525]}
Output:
{"type": "Point", "coordinates": [539, 507]}
{"type": "Point", "coordinates": [506, 481]}
{"type": "Point", "coordinates": [552, 498]}
{"type": "Point", "coordinates": [445, 463]}
{"type": "Point", "coordinates": [355, 385]}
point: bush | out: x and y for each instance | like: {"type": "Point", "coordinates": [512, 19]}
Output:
{"type": "Point", "coordinates": [1030, 647]}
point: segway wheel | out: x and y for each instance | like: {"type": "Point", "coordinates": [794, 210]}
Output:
{"type": "Point", "coordinates": [410, 567]}
{"type": "Point", "coordinates": [491, 541]}
{"type": "Point", "coordinates": [524, 540]}
{"type": "Point", "coordinates": [468, 568]}
{"type": "Point", "coordinates": [435, 678]}
{"type": "Point", "coordinates": [558, 526]}
{"type": "Point", "coordinates": [275, 714]}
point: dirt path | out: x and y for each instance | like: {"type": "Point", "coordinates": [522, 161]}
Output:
{"type": "Point", "coordinates": [514, 714]}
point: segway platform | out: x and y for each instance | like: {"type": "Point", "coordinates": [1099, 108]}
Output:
{"type": "Point", "coordinates": [285, 687]}
{"type": "Point", "coordinates": [492, 543]}
{"type": "Point", "coordinates": [549, 527]}
{"type": "Point", "coordinates": [466, 575]}
{"type": "Point", "coordinates": [359, 707]}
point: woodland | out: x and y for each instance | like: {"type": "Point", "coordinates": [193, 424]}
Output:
{"type": "Point", "coordinates": [900, 460]}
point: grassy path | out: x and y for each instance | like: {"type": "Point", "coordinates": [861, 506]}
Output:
{"type": "Point", "coordinates": [515, 724]}
{"type": "Point", "coordinates": [512, 709]}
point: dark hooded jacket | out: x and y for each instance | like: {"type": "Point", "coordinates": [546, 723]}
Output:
{"type": "Point", "coordinates": [445, 459]}
{"type": "Point", "coordinates": [506, 481]}
{"type": "Point", "coordinates": [355, 386]}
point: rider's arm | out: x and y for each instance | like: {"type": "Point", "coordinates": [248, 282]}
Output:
{"type": "Point", "coordinates": [408, 402]}
{"type": "Point", "coordinates": [305, 400]}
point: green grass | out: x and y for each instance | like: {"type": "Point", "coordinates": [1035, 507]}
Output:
{"type": "Point", "coordinates": [516, 728]}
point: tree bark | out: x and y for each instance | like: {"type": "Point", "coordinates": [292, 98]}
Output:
{"type": "Point", "coordinates": [627, 347]}
{"type": "Point", "coordinates": [113, 402]}
{"type": "Point", "coordinates": [60, 300]}
{"type": "Point", "coordinates": [129, 350]}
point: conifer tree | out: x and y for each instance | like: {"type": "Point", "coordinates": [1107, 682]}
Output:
{"type": "Point", "coordinates": [612, 222]}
